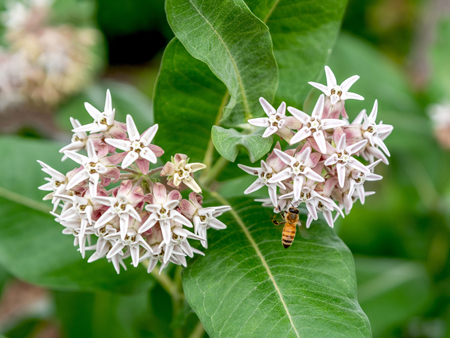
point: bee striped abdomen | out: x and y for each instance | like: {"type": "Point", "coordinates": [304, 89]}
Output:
{"type": "Point", "coordinates": [288, 234]}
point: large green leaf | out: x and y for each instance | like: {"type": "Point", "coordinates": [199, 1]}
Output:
{"type": "Point", "coordinates": [188, 101]}
{"type": "Point", "coordinates": [391, 291]}
{"type": "Point", "coordinates": [32, 246]}
{"type": "Point", "coordinates": [248, 285]}
{"type": "Point", "coordinates": [303, 34]}
{"type": "Point", "coordinates": [235, 44]}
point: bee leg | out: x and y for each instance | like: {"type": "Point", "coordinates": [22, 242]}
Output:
{"type": "Point", "coordinates": [275, 222]}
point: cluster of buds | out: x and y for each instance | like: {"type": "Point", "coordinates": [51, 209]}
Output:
{"type": "Point", "coordinates": [440, 116]}
{"type": "Point", "coordinates": [322, 171]}
{"type": "Point", "coordinates": [43, 63]}
{"type": "Point", "coordinates": [115, 197]}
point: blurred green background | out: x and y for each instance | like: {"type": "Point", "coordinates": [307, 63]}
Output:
{"type": "Point", "coordinates": [400, 238]}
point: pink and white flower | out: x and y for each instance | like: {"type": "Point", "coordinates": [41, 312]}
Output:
{"type": "Point", "coordinates": [123, 206]}
{"type": "Point", "coordinates": [373, 132]}
{"type": "Point", "coordinates": [78, 142]}
{"type": "Point", "coordinates": [163, 210]}
{"type": "Point", "coordinates": [358, 178]}
{"type": "Point", "coordinates": [203, 218]}
{"type": "Point", "coordinates": [138, 148]}
{"type": "Point", "coordinates": [267, 170]}
{"type": "Point", "coordinates": [132, 242]}
{"type": "Point", "coordinates": [337, 92]}
{"type": "Point", "coordinates": [103, 121]}
{"type": "Point", "coordinates": [93, 169]}
{"type": "Point", "coordinates": [298, 169]}
{"type": "Point", "coordinates": [275, 119]}
{"type": "Point", "coordinates": [314, 125]}
{"type": "Point", "coordinates": [344, 160]}
{"type": "Point", "coordinates": [179, 171]}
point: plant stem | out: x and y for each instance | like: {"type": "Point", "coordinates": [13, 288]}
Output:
{"type": "Point", "coordinates": [220, 164]}
{"type": "Point", "coordinates": [199, 331]}
{"type": "Point", "coordinates": [208, 159]}
{"type": "Point", "coordinates": [154, 171]}
{"type": "Point", "coordinates": [174, 289]}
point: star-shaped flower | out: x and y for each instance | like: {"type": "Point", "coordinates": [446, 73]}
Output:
{"type": "Point", "coordinates": [102, 120]}
{"type": "Point", "coordinates": [132, 241]}
{"type": "Point", "coordinates": [275, 119]}
{"type": "Point", "coordinates": [203, 218]}
{"type": "Point", "coordinates": [298, 169]}
{"type": "Point", "coordinates": [314, 125]}
{"type": "Point", "coordinates": [93, 167]}
{"type": "Point", "coordinates": [138, 146]}
{"type": "Point", "coordinates": [180, 171]}
{"type": "Point", "coordinates": [343, 159]}
{"type": "Point", "coordinates": [337, 92]}
{"type": "Point", "coordinates": [57, 184]}
{"type": "Point", "coordinates": [358, 178]}
{"type": "Point", "coordinates": [372, 131]}
{"type": "Point", "coordinates": [79, 139]}
{"type": "Point", "coordinates": [162, 208]}
{"type": "Point", "coordinates": [122, 206]}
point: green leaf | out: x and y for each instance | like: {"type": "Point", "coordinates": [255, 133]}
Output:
{"type": "Point", "coordinates": [391, 291]}
{"type": "Point", "coordinates": [248, 285]}
{"type": "Point", "coordinates": [32, 246]}
{"type": "Point", "coordinates": [125, 98]}
{"type": "Point", "coordinates": [234, 44]}
{"type": "Point", "coordinates": [228, 142]}
{"type": "Point", "coordinates": [303, 34]}
{"type": "Point", "coordinates": [440, 68]}
{"type": "Point", "coordinates": [188, 101]}
{"type": "Point", "coordinates": [103, 314]}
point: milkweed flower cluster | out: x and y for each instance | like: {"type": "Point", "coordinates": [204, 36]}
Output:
{"type": "Point", "coordinates": [323, 170]}
{"type": "Point", "coordinates": [113, 195]}
{"type": "Point", "coordinates": [43, 63]}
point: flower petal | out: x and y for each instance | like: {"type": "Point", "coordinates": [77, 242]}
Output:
{"type": "Point", "coordinates": [268, 109]}
{"type": "Point", "coordinates": [149, 134]}
{"type": "Point", "coordinates": [129, 159]}
{"type": "Point", "coordinates": [320, 140]}
{"type": "Point", "coordinates": [300, 135]}
{"type": "Point", "coordinates": [299, 115]}
{"type": "Point", "coordinates": [331, 79]}
{"type": "Point", "coordinates": [260, 122]}
{"type": "Point", "coordinates": [324, 89]}
{"type": "Point", "coordinates": [133, 133]}
{"type": "Point", "coordinates": [254, 186]}
{"type": "Point", "coordinates": [121, 144]}
{"type": "Point", "coordinates": [318, 108]}
{"type": "Point", "coordinates": [349, 82]}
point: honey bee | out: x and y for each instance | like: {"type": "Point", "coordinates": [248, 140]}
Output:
{"type": "Point", "coordinates": [291, 219]}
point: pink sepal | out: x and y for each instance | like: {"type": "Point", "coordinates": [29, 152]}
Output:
{"type": "Point", "coordinates": [158, 151]}
{"type": "Point", "coordinates": [116, 158]}
{"type": "Point", "coordinates": [143, 165]}
{"type": "Point", "coordinates": [174, 195]}
{"type": "Point", "coordinates": [168, 169]}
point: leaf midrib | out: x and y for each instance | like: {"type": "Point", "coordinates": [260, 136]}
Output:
{"type": "Point", "coordinates": [269, 14]}
{"type": "Point", "coordinates": [238, 74]}
{"type": "Point", "coordinates": [260, 255]}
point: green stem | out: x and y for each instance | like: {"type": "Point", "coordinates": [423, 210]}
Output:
{"type": "Point", "coordinates": [174, 289]}
{"type": "Point", "coordinates": [220, 164]}
{"type": "Point", "coordinates": [199, 331]}
{"type": "Point", "coordinates": [210, 150]}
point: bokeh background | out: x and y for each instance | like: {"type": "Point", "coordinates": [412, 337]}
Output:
{"type": "Point", "coordinates": [400, 238]}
